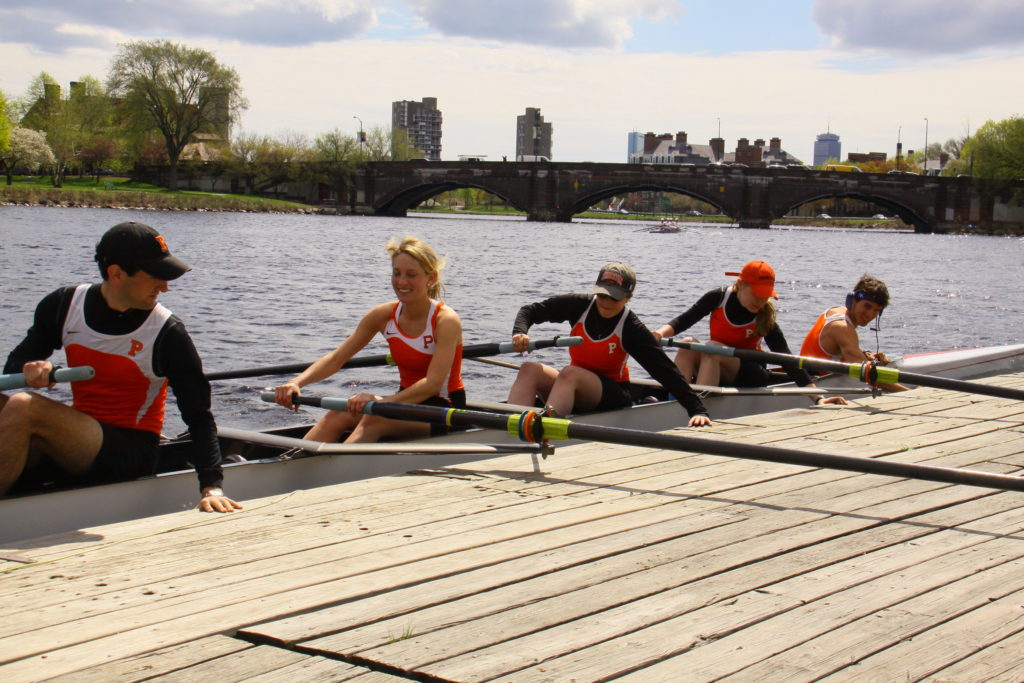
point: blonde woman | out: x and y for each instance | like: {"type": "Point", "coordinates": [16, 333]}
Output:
{"type": "Point", "coordinates": [742, 316]}
{"type": "Point", "coordinates": [424, 337]}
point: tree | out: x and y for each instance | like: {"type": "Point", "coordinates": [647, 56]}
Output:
{"type": "Point", "coordinates": [336, 154]}
{"type": "Point", "coordinates": [996, 150]}
{"type": "Point", "coordinates": [387, 145]}
{"type": "Point", "coordinates": [69, 123]}
{"type": "Point", "coordinates": [27, 148]}
{"type": "Point", "coordinates": [176, 90]}
{"type": "Point", "coordinates": [5, 125]}
{"type": "Point", "coordinates": [265, 161]}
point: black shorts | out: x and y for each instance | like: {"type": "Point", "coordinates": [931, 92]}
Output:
{"type": "Point", "coordinates": [125, 454]}
{"type": "Point", "coordinates": [457, 399]}
{"type": "Point", "coordinates": [751, 374]}
{"type": "Point", "coordinates": [614, 395]}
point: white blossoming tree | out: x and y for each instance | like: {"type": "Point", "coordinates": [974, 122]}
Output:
{"type": "Point", "coordinates": [27, 148]}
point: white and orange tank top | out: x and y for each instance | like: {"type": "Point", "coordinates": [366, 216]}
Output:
{"type": "Point", "coordinates": [812, 342]}
{"type": "Point", "coordinates": [125, 392]}
{"type": "Point", "coordinates": [724, 331]}
{"type": "Point", "coordinates": [412, 355]}
{"type": "Point", "coordinates": [605, 356]}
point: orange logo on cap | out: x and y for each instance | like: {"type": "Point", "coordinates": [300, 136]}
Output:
{"type": "Point", "coordinates": [163, 245]}
{"type": "Point", "coordinates": [612, 277]}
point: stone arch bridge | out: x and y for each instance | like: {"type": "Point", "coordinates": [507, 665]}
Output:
{"type": "Point", "coordinates": [752, 197]}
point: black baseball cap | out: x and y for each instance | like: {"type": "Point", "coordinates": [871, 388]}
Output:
{"type": "Point", "coordinates": [617, 280]}
{"type": "Point", "coordinates": [133, 246]}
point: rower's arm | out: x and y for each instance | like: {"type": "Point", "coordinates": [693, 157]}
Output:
{"type": "Point", "coordinates": [328, 364]}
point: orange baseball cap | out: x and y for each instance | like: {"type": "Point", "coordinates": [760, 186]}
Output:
{"type": "Point", "coordinates": [761, 278]}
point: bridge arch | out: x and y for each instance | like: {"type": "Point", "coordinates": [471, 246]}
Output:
{"type": "Point", "coordinates": [400, 201]}
{"type": "Point", "coordinates": [586, 200]}
{"type": "Point", "coordinates": [904, 210]}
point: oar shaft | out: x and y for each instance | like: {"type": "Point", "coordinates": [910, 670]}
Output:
{"type": "Point", "coordinates": [560, 429]}
{"type": "Point", "coordinates": [471, 351]}
{"type": "Point", "coordinates": [862, 371]}
{"type": "Point", "coordinates": [76, 374]}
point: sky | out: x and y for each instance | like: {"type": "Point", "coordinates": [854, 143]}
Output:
{"type": "Point", "coordinates": [871, 71]}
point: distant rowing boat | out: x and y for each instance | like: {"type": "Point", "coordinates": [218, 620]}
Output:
{"type": "Point", "coordinates": [276, 462]}
{"type": "Point", "coordinates": [664, 226]}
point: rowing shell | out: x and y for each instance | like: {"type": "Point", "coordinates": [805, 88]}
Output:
{"type": "Point", "coordinates": [304, 465]}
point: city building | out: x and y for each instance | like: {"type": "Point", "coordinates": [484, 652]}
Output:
{"type": "Point", "coordinates": [533, 136]}
{"type": "Point", "coordinates": [866, 157]}
{"type": "Point", "coordinates": [634, 144]}
{"type": "Point", "coordinates": [422, 123]}
{"type": "Point", "coordinates": [826, 146]}
{"type": "Point", "coordinates": [676, 149]}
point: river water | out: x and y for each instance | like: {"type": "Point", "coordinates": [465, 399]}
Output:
{"type": "Point", "coordinates": [269, 289]}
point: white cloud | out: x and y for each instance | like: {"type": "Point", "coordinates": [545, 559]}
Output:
{"type": "Point", "coordinates": [554, 23]}
{"type": "Point", "coordinates": [922, 26]}
{"type": "Point", "coordinates": [263, 22]}
{"type": "Point", "coordinates": [594, 98]}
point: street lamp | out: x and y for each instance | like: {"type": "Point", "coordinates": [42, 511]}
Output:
{"type": "Point", "coordinates": [899, 146]}
{"type": "Point", "coordinates": [362, 136]}
{"type": "Point", "coordinates": [926, 145]}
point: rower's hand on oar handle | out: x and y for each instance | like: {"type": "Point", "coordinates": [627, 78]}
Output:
{"type": "Point", "coordinates": [285, 395]}
{"type": "Point", "coordinates": [39, 374]}
{"type": "Point", "coordinates": [520, 342]}
{"type": "Point", "coordinates": [830, 400]}
{"type": "Point", "coordinates": [357, 402]}
{"type": "Point", "coordinates": [877, 357]}
{"type": "Point", "coordinates": [214, 500]}
{"type": "Point", "coordinates": [699, 421]}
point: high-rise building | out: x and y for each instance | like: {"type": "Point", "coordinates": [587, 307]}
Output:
{"type": "Point", "coordinates": [826, 147]}
{"type": "Point", "coordinates": [533, 136]}
{"type": "Point", "coordinates": [422, 123]}
{"type": "Point", "coordinates": [634, 145]}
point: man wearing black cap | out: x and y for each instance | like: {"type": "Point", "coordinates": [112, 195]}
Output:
{"type": "Point", "coordinates": [137, 347]}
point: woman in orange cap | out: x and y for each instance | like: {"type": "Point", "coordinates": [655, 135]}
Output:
{"type": "Point", "coordinates": [742, 316]}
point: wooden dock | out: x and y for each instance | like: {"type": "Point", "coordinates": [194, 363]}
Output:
{"type": "Point", "coordinates": [600, 562]}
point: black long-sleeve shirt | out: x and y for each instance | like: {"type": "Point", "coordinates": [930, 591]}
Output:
{"type": "Point", "coordinates": [637, 340]}
{"type": "Point", "coordinates": [174, 357]}
{"type": "Point", "coordinates": [738, 315]}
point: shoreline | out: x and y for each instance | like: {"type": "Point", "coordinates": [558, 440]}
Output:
{"type": "Point", "coordinates": [148, 201]}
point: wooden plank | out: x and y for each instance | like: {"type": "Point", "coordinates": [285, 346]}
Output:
{"type": "Point", "coordinates": [998, 663]}
{"type": "Point", "coordinates": [705, 575]}
{"type": "Point", "coordinates": [856, 497]}
{"type": "Point", "coordinates": [236, 667]}
{"type": "Point", "coordinates": [721, 639]}
{"type": "Point", "coordinates": [155, 663]}
{"type": "Point", "coordinates": [962, 569]}
{"type": "Point", "coordinates": [921, 641]}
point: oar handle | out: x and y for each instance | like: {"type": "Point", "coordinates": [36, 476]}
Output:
{"type": "Point", "coordinates": [508, 347]}
{"type": "Point", "coordinates": [78, 373]}
{"type": "Point", "coordinates": [326, 402]}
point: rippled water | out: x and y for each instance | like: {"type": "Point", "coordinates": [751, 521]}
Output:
{"type": "Point", "coordinates": [268, 289]}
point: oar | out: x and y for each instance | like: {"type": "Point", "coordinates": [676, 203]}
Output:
{"type": "Point", "coordinates": [386, 448]}
{"type": "Point", "coordinates": [472, 351]}
{"type": "Point", "coordinates": [531, 426]}
{"type": "Point", "coordinates": [79, 373]}
{"type": "Point", "coordinates": [866, 372]}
